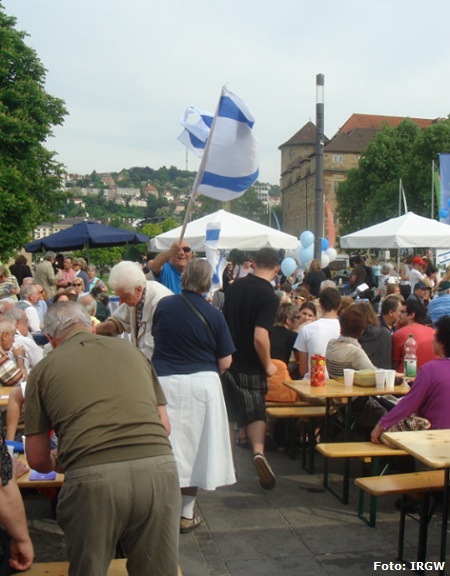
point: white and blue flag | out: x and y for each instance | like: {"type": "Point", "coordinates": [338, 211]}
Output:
{"type": "Point", "coordinates": [197, 125]}
{"type": "Point", "coordinates": [226, 144]}
{"type": "Point", "coordinates": [230, 163]}
{"type": "Point", "coordinates": [213, 255]}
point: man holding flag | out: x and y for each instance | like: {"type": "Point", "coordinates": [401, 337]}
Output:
{"type": "Point", "coordinates": [168, 266]}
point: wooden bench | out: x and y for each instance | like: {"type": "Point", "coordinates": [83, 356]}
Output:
{"type": "Point", "coordinates": [304, 413]}
{"type": "Point", "coordinates": [367, 452]}
{"type": "Point", "coordinates": [117, 568]}
{"type": "Point", "coordinates": [272, 404]}
{"type": "Point", "coordinates": [414, 484]}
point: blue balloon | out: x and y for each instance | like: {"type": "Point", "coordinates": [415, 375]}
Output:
{"type": "Point", "coordinates": [306, 255]}
{"type": "Point", "coordinates": [307, 238]}
{"type": "Point", "coordinates": [288, 266]}
{"type": "Point", "coordinates": [325, 244]}
{"type": "Point", "coordinates": [443, 213]}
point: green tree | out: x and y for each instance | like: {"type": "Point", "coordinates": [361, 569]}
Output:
{"type": "Point", "coordinates": [30, 177]}
{"type": "Point", "coordinates": [371, 192]}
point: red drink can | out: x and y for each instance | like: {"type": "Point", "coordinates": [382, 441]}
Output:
{"type": "Point", "coordinates": [318, 365]}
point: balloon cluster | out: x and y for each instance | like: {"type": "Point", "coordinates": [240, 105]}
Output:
{"type": "Point", "coordinates": [302, 258]}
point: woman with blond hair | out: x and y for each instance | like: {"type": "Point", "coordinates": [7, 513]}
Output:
{"type": "Point", "coordinates": [314, 277]}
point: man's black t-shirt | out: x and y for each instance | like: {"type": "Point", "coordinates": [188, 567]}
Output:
{"type": "Point", "coordinates": [249, 302]}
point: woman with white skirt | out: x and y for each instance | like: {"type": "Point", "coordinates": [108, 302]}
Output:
{"type": "Point", "coordinates": [192, 347]}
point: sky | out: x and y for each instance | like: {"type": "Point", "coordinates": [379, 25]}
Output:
{"type": "Point", "coordinates": [128, 69]}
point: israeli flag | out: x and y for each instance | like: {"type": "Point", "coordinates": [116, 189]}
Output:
{"type": "Point", "coordinates": [230, 163]}
{"type": "Point", "coordinates": [197, 124]}
{"type": "Point", "coordinates": [213, 255]}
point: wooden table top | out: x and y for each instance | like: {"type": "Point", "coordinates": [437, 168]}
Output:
{"type": "Point", "coordinates": [432, 447]}
{"type": "Point", "coordinates": [337, 389]}
{"type": "Point", "coordinates": [25, 482]}
{"type": "Point", "coordinates": [117, 568]}
{"type": "Point", "coordinates": [4, 394]}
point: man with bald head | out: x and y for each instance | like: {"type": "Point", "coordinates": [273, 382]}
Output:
{"type": "Point", "coordinates": [168, 266]}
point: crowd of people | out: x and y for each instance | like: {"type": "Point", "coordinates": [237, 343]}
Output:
{"type": "Point", "coordinates": [168, 380]}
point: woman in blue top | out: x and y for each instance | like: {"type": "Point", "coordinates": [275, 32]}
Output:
{"type": "Point", "coordinates": [193, 346]}
{"type": "Point", "coordinates": [94, 280]}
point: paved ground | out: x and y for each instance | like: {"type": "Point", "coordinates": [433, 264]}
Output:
{"type": "Point", "coordinates": [297, 528]}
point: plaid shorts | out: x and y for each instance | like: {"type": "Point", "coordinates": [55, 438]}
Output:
{"type": "Point", "coordinates": [245, 397]}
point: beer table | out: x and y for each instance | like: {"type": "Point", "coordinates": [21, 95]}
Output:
{"type": "Point", "coordinates": [335, 389]}
{"type": "Point", "coordinates": [4, 394]}
{"type": "Point", "coordinates": [432, 448]}
{"type": "Point", "coordinates": [25, 482]}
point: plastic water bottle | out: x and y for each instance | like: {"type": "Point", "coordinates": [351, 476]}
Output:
{"type": "Point", "coordinates": [410, 362]}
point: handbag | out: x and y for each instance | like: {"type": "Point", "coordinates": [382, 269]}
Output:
{"type": "Point", "coordinates": [411, 423]}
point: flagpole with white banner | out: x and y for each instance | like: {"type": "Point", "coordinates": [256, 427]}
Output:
{"type": "Point", "coordinates": [229, 165]}
{"type": "Point", "coordinates": [199, 175]}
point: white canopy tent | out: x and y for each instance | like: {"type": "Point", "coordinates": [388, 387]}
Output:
{"type": "Point", "coordinates": [235, 232]}
{"type": "Point", "coordinates": [407, 231]}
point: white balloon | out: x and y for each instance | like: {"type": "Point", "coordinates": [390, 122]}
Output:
{"type": "Point", "coordinates": [291, 254]}
{"type": "Point", "coordinates": [332, 254]}
{"type": "Point", "coordinates": [324, 260]}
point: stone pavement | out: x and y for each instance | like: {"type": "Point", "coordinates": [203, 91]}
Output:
{"type": "Point", "coordinates": [297, 528]}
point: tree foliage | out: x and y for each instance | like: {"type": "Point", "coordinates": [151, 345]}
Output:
{"type": "Point", "coordinates": [30, 177]}
{"type": "Point", "coordinates": [371, 192]}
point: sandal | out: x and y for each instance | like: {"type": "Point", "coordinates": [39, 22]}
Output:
{"type": "Point", "coordinates": [189, 524]}
{"type": "Point", "coordinates": [242, 442]}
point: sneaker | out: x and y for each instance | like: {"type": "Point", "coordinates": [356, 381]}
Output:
{"type": "Point", "coordinates": [265, 472]}
{"type": "Point", "coordinates": [189, 524]}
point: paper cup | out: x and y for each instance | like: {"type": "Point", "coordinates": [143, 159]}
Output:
{"type": "Point", "coordinates": [349, 374]}
{"type": "Point", "coordinates": [11, 451]}
{"type": "Point", "coordinates": [390, 379]}
{"type": "Point", "coordinates": [380, 376]}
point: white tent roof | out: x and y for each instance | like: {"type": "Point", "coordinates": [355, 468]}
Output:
{"type": "Point", "coordinates": [407, 231]}
{"type": "Point", "coordinates": [235, 232]}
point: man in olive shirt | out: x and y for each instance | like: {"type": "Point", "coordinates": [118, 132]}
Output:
{"type": "Point", "coordinates": [104, 401]}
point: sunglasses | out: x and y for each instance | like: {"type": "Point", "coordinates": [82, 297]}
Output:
{"type": "Point", "coordinates": [298, 298]}
{"type": "Point", "coordinates": [186, 249]}
{"type": "Point", "coordinates": [297, 317]}
{"type": "Point", "coordinates": [78, 284]}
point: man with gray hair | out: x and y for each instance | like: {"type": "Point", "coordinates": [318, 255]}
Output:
{"type": "Point", "coordinates": [121, 481]}
{"type": "Point", "coordinates": [12, 359]}
{"type": "Point", "coordinates": [45, 275]}
{"type": "Point", "coordinates": [33, 352]}
{"type": "Point", "coordinates": [138, 299]}
{"type": "Point", "coordinates": [29, 297]}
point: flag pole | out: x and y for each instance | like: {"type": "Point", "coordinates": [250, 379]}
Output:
{"type": "Point", "coordinates": [432, 189]}
{"type": "Point", "coordinates": [200, 172]}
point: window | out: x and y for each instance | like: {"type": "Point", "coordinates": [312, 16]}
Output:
{"type": "Point", "coordinates": [338, 158]}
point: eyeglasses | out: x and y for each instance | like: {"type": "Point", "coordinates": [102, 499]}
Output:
{"type": "Point", "coordinates": [297, 317]}
{"type": "Point", "coordinates": [186, 249]}
{"type": "Point", "coordinates": [298, 298]}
